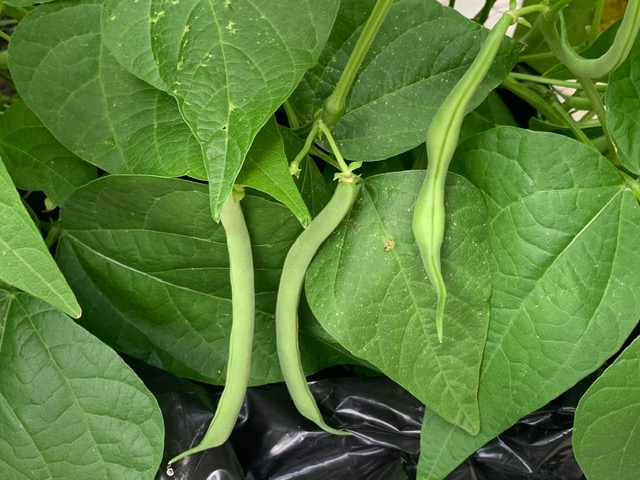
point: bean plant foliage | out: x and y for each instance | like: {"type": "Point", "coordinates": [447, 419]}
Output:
{"type": "Point", "coordinates": [136, 123]}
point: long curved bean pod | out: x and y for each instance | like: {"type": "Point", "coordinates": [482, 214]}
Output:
{"type": "Point", "coordinates": [442, 139]}
{"type": "Point", "coordinates": [291, 282]}
{"type": "Point", "coordinates": [240, 343]}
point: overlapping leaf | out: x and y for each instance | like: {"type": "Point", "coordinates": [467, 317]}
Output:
{"type": "Point", "coordinates": [94, 107]}
{"type": "Point", "coordinates": [420, 52]}
{"type": "Point", "coordinates": [623, 101]}
{"type": "Point", "coordinates": [266, 168]}
{"type": "Point", "coordinates": [606, 436]}
{"type": "Point", "coordinates": [151, 269]}
{"type": "Point", "coordinates": [69, 406]}
{"type": "Point", "coordinates": [25, 261]}
{"type": "Point", "coordinates": [368, 289]}
{"type": "Point", "coordinates": [230, 64]}
{"type": "Point", "coordinates": [564, 234]}
{"type": "Point", "coordinates": [36, 160]}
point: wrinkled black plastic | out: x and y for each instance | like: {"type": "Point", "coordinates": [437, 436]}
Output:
{"type": "Point", "coordinates": [272, 441]}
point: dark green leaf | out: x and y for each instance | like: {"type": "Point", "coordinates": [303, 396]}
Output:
{"type": "Point", "coordinates": [69, 406]}
{"type": "Point", "coordinates": [606, 437]}
{"type": "Point", "coordinates": [151, 269]}
{"type": "Point", "coordinates": [420, 52]}
{"type": "Point", "coordinates": [90, 103]}
{"type": "Point", "coordinates": [564, 235]}
{"type": "Point", "coordinates": [36, 160]}
{"type": "Point", "coordinates": [25, 261]}
{"type": "Point", "coordinates": [230, 64]}
{"type": "Point", "coordinates": [369, 292]}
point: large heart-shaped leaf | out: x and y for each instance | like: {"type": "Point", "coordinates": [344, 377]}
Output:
{"type": "Point", "coordinates": [36, 160]}
{"type": "Point", "coordinates": [420, 52]}
{"type": "Point", "coordinates": [230, 64]}
{"type": "Point", "coordinates": [369, 290]}
{"type": "Point", "coordinates": [151, 269]}
{"type": "Point", "coordinates": [91, 104]}
{"type": "Point", "coordinates": [25, 261]}
{"type": "Point", "coordinates": [564, 241]}
{"type": "Point", "coordinates": [606, 436]}
{"type": "Point", "coordinates": [69, 406]}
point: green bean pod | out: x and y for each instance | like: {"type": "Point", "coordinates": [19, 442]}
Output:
{"type": "Point", "coordinates": [442, 139]}
{"type": "Point", "coordinates": [241, 338]}
{"type": "Point", "coordinates": [293, 272]}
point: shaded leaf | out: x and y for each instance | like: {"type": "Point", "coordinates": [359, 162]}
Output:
{"type": "Point", "coordinates": [564, 232]}
{"type": "Point", "coordinates": [151, 269]}
{"type": "Point", "coordinates": [623, 100]}
{"type": "Point", "coordinates": [69, 406]}
{"type": "Point", "coordinates": [266, 169]}
{"type": "Point", "coordinates": [92, 105]}
{"type": "Point", "coordinates": [395, 94]}
{"type": "Point", "coordinates": [230, 64]}
{"type": "Point", "coordinates": [25, 261]}
{"type": "Point", "coordinates": [36, 160]}
{"type": "Point", "coordinates": [369, 292]}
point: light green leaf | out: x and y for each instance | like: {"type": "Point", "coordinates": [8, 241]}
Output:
{"type": "Point", "coordinates": [266, 169]}
{"type": "Point", "coordinates": [230, 64]}
{"type": "Point", "coordinates": [369, 292]}
{"type": "Point", "coordinates": [90, 103]}
{"type": "Point", "coordinates": [151, 270]}
{"type": "Point", "coordinates": [606, 435]}
{"type": "Point", "coordinates": [69, 406]}
{"type": "Point", "coordinates": [25, 261]}
{"type": "Point", "coordinates": [36, 160]}
{"type": "Point", "coordinates": [623, 101]}
{"type": "Point", "coordinates": [564, 237]}
{"type": "Point", "coordinates": [420, 52]}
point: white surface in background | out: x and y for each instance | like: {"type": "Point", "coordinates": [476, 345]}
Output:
{"type": "Point", "coordinates": [470, 8]}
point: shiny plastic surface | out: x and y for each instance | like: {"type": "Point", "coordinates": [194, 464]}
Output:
{"type": "Point", "coordinates": [272, 441]}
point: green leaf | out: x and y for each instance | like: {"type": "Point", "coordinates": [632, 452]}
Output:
{"type": "Point", "coordinates": [490, 113]}
{"type": "Point", "coordinates": [230, 64]}
{"type": "Point", "coordinates": [92, 105]}
{"type": "Point", "coordinates": [369, 292]}
{"type": "Point", "coordinates": [69, 406]}
{"type": "Point", "coordinates": [396, 94]}
{"type": "Point", "coordinates": [266, 169]}
{"type": "Point", "coordinates": [623, 100]}
{"type": "Point", "coordinates": [564, 235]}
{"type": "Point", "coordinates": [151, 270]}
{"type": "Point", "coordinates": [24, 3]}
{"type": "Point", "coordinates": [25, 262]}
{"type": "Point", "coordinates": [36, 160]}
{"type": "Point", "coordinates": [606, 436]}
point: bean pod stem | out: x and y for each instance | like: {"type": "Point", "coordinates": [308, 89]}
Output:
{"type": "Point", "coordinates": [442, 139]}
{"type": "Point", "coordinates": [293, 272]}
{"type": "Point", "coordinates": [241, 338]}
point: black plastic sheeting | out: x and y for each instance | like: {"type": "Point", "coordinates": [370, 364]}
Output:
{"type": "Point", "coordinates": [272, 441]}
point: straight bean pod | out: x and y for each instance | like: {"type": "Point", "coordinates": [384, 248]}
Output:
{"type": "Point", "coordinates": [293, 272]}
{"type": "Point", "coordinates": [442, 139]}
{"type": "Point", "coordinates": [241, 339]}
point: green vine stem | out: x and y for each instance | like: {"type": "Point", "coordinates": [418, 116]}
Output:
{"type": "Point", "coordinates": [533, 99]}
{"type": "Point", "coordinates": [553, 81]}
{"type": "Point", "coordinates": [4, 58]}
{"type": "Point", "coordinates": [335, 105]}
{"type": "Point", "coordinates": [598, 67]}
{"type": "Point", "coordinates": [596, 103]}
{"type": "Point", "coordinates": [595, 22]}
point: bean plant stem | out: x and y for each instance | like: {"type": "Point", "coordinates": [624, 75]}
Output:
{"type": "Point", "coordinates": [595, 23]}
{"type": "Point", "coordinates": [596, 103]}
{"type": "Point", "coordinates": [334, 106]}
{"type": "Point", "coordinates": [334, 147]}
{"type": "Point", "coordinates": [552, 81]}
{"type": "Point", "coordinates": [241, 338]}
